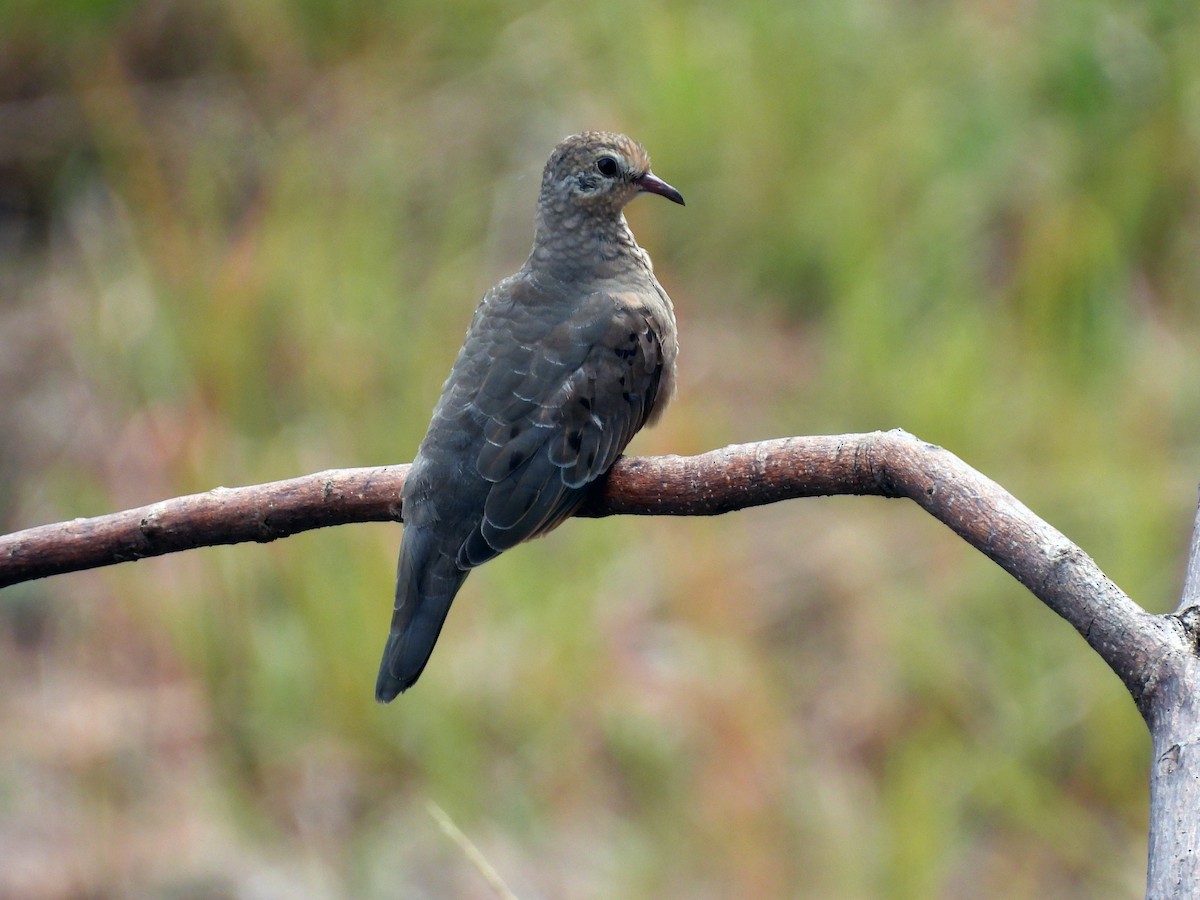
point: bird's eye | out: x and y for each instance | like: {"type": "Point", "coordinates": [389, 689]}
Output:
{"type": "Point", "coordinates": [607, 166]}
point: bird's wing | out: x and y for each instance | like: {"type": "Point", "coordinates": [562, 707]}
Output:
{"type": "Point", "coordinates": [559, 408]}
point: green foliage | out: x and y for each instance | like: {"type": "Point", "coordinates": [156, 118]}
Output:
{"type": "Point", "coordinates": [266, 228]}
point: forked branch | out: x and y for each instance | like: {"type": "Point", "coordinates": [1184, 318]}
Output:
{"type": "Point", "coordinates": [1155, 656]}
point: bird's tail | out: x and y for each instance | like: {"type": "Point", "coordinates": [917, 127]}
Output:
{"type": "Point", "coordinates": [426, 582]}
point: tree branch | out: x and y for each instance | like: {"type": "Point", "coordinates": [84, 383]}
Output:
{"type": "Point", "coordinates": [888, 464]}
{"type": "Point", "coordinates": [1155, 656]}
{"type": "Point", "coordinates": [1191, 582]}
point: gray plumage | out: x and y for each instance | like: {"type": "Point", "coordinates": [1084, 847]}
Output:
{"type": "Point", "coordinates": [562, 364]}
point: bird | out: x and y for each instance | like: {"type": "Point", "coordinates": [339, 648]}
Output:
{"type": "Point", "coordinates": [563, 362]}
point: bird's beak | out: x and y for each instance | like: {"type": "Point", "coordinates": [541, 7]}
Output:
{"type": "Point", "coordinates": [652, 184]}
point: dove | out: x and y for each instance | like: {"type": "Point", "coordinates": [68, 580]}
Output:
{"type": "Point", "coordinates": [563, 362]}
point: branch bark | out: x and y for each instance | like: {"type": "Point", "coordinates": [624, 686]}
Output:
{"type": "Point", "coordinates": [260, 512]}
{"type": "Point", "coordinates": [1154, 656]}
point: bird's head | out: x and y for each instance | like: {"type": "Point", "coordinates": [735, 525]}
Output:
{"type": "Point", "coordinates": [600, 171]}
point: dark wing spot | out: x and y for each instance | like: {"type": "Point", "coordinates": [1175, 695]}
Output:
{"type": "Point", "coordinates": [514, 431]}
{"type": "Point", "coordinates": [575, 439]}
{"type": "Point", "coordinates": [585, 402]}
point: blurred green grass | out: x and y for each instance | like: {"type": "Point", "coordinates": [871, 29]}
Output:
{"type": "Point", "coordinates": [242, 241]}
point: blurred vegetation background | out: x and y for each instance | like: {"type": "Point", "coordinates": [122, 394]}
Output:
{"type": "Point", "coordinates": [241, 242]}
